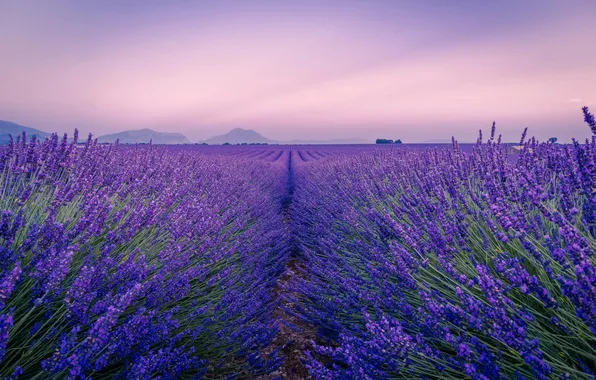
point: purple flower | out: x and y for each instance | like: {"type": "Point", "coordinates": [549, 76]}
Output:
{"type": "Point", "coordinates": [5, 325]}
{"type": "Point", "coordinates": [589, 119]}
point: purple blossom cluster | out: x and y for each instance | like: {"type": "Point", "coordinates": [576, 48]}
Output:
{"type": "Point", "coordinates": [137, 261]}
{"type": "Point", "coordinates": [445, 263]}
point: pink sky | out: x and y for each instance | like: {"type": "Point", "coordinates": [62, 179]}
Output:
{"type": "Point", "coordinates": [313, 70]}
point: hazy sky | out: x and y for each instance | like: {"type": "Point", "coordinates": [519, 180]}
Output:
{"type": "Point", "coordinates": [410, 69]}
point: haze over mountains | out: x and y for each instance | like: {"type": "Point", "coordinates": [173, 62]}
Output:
{"type": "Point", "coordinates": [249, 136]}
{"type": "Point", "coordinates": [8, 128]}
{"type": "Point", "coordinates": [144, 136]}
{"type": "Point", "coordinates": [127, 137]}
{"type": "Point", "coordinates": [239, 136]}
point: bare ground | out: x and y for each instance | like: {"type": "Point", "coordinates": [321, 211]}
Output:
{"type": "Point", "coordinates": [294, 336]}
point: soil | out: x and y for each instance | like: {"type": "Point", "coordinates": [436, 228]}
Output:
{"type": "Point", "coordinates": [295, 336]}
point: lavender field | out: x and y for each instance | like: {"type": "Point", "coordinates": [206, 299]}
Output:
{"type": "Point", "coordinates": [328, 262]}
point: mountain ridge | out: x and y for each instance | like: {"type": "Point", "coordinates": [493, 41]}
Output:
{"type": "Point", "coordinates": [239, 136]}
{"type": "Point", "coordinates": [9, 128]}
{"type": "Point", "coordinates": [144, 136]}
{"type": "Point", "coordinates": [250, 136]}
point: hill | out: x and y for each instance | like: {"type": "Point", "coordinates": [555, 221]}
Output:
{"type": "Point", "coordinates": [239, 136]}
{"type": "Point", "coordinates": [144, 136]}
{"type": "Point", "coordinates": [249, 136]}
{"type": "Point", "coordinates": [9, 128]}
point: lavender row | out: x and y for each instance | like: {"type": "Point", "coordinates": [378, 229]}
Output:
{"type": "Point", "coordinates": [136, 262]}
{"type": "Point", "coordinates": [444, 264]}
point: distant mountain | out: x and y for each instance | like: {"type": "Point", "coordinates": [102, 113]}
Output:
{"type": "Point", "coordinates": [328, 142]}
{"type": "Point", "coordinates": [144, 136]}
{"type": "Point", "coordinates": [8, 128]}
{"type": "Point", "coordinates": [239, 136]}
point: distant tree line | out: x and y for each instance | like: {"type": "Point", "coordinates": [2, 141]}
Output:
{"type": "Point", "coordinates": [388, 141]}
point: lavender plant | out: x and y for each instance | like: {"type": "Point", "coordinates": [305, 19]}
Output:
{"type": "Point", "coordinates": [162, 262]}
{"type": "Point", "coordinates": [444, 264]}
{"type": "Point", "coordinates": [136, 262]}
{"type": "Point", "coordinates": [589, 119]}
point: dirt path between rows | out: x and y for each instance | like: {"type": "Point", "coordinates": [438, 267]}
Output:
{"type": "Point", "coordinates": [294, 336]}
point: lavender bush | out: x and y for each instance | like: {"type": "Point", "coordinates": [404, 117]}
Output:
{"type": "Point", "coordinates": [163, 262]}
{"type": "Point", "coordinates": [124, 262]}
{"type": "Point", "coordinates": [442, 264]}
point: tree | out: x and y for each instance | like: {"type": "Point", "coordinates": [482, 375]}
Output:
{"type": "Point", "coordinates": [552, 140]}
{"type": "Point", "coordinates": [384, 141]}
{"type": "Point", "coordinates": [398, 141]}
